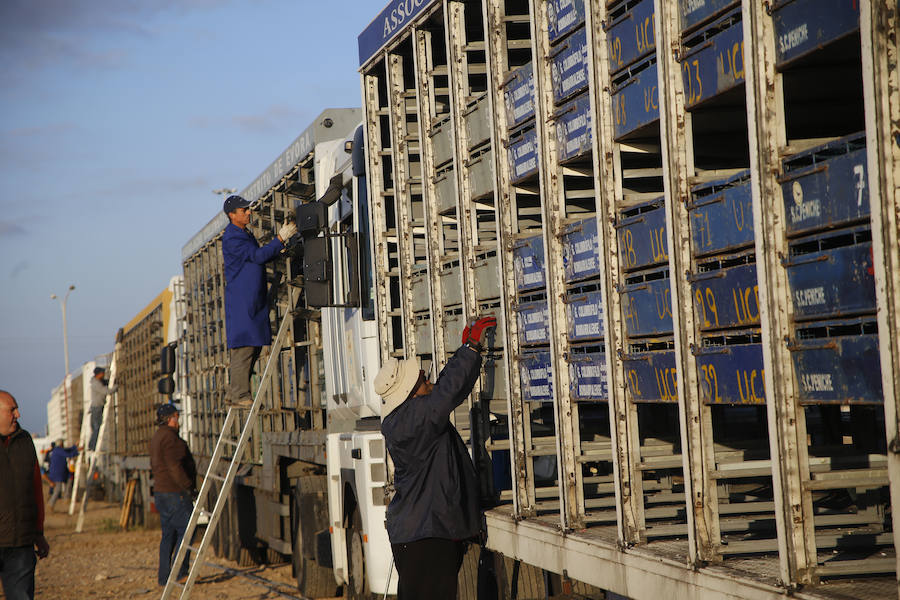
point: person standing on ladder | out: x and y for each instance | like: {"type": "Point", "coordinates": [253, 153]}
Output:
{"type": "Point", "coordinates": [174, 478]}
{"type": "Point", "coordinates": [435, 509]}
{"type": "Point", "coordinates": [99, 391]}
{"type": "Point", "coordinates": [247, 326]}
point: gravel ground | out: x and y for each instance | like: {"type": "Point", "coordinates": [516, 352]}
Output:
{"type": "Point", "coordinates": [105, 562]}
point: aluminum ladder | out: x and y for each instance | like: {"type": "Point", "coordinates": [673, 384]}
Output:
{"type": "Point", "coordinates": [92, 464]}
{"type": "Point", "coordinates": [213, 474]}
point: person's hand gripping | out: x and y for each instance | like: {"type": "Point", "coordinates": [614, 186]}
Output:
{"type": "Point", "coordinates": [474, 332]}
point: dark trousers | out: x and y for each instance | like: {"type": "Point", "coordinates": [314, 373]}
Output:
{"type": "Point", "coordinates": [174, 513]}
{"type": "Point", "coordinates": [239, 370]}
{"type": "Point", "coordinates": [428, 568]}
{"type": "Point", "coordinates": [96, 420]}
{"type": "Point", "coordinates": [17, 572]}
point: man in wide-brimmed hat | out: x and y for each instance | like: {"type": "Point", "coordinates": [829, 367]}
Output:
{"type": "Point", "coordinates": [435, 510]}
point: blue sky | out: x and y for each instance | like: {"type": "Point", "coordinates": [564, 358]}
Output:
{"type": "Point", "coordinates": [117, 120]}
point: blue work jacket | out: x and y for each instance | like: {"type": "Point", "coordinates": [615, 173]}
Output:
{"type": "Point", "coordinates": [246, 309]}
{"type": "Point", "coordinates": [59, 465]}
{"type": "Point", "coordinates": [434, 478]}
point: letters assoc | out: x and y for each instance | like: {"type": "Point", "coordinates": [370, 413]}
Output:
{"type": "Point", "coordinates": [403, 10]}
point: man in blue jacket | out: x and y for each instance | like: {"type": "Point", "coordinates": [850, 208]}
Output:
{"type": "Point", "coordinates": [435, 509]}
{"type": "Point", "coordinates": [59, 470]}
{"type": "Point", "coordinates": [246, 309]}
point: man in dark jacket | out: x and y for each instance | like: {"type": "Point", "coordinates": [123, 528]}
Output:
{"type": "Point", "coordinates": [435, 509]}
{"type": "Point", "coordinates": [174, 474]}
{"type": "Point", "coordinates": [246, 309]}
{"type": "Point", "coordinates": [59, 470]}
{"type": "Point", "coordinates": [21, 505]}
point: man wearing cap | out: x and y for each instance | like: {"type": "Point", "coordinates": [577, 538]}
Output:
{"type": "Point", "coordinates": [246, 309]}
{"type": "Point", "coordinates": [99, 391]}
{"type": "Point", "coordinates": [435, 509]}
{"type": "Point", "coordinates": [174, 474]}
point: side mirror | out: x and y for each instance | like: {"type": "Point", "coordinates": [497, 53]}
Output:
{"type": "Point", "coordinates": [166, 386]}
{"type": "Point", "coordinates": [167, 360]}
{"type": "Point", "coordinates": [317, 271]}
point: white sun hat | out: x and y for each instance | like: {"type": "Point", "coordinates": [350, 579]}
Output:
{"type": "Point", "coordinates": [395, 382]}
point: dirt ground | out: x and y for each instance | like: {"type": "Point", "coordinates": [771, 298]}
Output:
{"type": "Point", "coordinates": [105, 562]}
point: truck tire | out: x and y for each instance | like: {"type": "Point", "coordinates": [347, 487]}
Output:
{"type": "Point", "coordinates": [357, 585]}
{"type": "Point", "coordinates": [313, 580]}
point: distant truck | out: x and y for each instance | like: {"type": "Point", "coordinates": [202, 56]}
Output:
{"type": "Point", "coordinates": [684, 217]}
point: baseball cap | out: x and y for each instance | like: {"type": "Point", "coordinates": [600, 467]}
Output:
{"type": "Point", "coordinates": [98, 370]}
{"type": "Point", "coordinates": [395, 382]}
{"type": "Point", "coordinates": [232, 203]}
{"type": "Point", "coordinates": [164, 411]}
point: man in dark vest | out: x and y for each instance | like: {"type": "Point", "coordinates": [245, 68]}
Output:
{"type": "Point", "coordinates": [246, 309]}
{"type": "Point", "coordinates": [21, 505]}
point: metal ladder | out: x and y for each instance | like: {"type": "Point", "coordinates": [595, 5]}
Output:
{"type": "Point", "coordinates": [92, 464]}
{"type": "Point", "coordinates": [213, 474]}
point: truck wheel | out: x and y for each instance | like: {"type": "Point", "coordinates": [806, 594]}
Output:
{"type": "Point", "coordinates": [357, 586]}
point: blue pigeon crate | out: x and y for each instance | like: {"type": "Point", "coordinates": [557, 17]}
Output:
{"type": "Point", "coordinates": [731, 374]}
{"type": "Point", "coordinates": [563, 17]}
{"type": "Point", "coordinates": [651, 376]}
{"type": "Point", "coordinates": [833, 276]}
{"type": "Point", "coordinates": [587, 372]}
{"type": "Point", "coordinates": [641, 231]}
{"type": "Point", "coordinates": [536, 377]}
{"type": "Point", "coordinates": [584, 316]}
{"type": "Point", "coordinates": [727, 296]}
{"type": "Point", "coordinates": [716, 64]}
{"type": "Point", "coordinates": [631, 34]}
{"type": "Point", "coordinates": [647, 304]}
{"type": "Point", "coordinates": [581, 250]}
{"type": "Point", "coordinates": [635, 98]}
{"type": "Point", "coordinates": [721, 214]}
{"type": "Point", "coordinates": [528, 263]}
{"type": "Point", "coordinates": [804, 26]}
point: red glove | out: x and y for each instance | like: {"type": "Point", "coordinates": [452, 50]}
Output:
{"type": "Point", "coordinates": [474, 332]}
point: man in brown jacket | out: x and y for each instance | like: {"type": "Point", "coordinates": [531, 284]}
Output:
{"type": "Point", "coordinates": [174, 474]}
{"type": "Point", "coordinates": [21, 505]}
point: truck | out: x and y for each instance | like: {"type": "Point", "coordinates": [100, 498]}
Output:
{"type": "Point", "coordinates": [683, 216]}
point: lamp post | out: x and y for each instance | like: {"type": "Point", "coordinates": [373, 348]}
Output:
{"type": "Point", "coordinates": [66, 351]}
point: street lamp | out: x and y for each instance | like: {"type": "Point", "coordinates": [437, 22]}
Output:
{"type": "Point", "coordinates": [66, 351]}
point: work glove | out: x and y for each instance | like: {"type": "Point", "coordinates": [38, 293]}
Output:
{"type": "Point", "coordinates": [287, 231]}
{"type": "Point", "coordinates": [474, 332]}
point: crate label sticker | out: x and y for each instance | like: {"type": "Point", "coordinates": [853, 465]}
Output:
{"type": "Point", "coordinates": [563, 16]}
{"type": "Point", "coordinates": [803, 26]}
{"type": "Point", "coordinates": [523, 155]}
{"type": "Point", "coordinates": [528, 261]}
{"type": "Point", "coordinates": [633, 37]}
{"type": "Point", "coordinates": [588, 372]}
{"type": "Point", "coordinates": [573, 130]}
{"type": "Point", "coordinates": [581, 248]}
{"type": "Point", "coordinates": [568, 68]}
{"type": "Point", "coordinates": [584, 316]}
{"type": "Point", "coordinates": [533, 321]}
{"type": "Point", "coordinates": [537, 377]}
{"type": "Point", "coordinates": [519, 96]}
